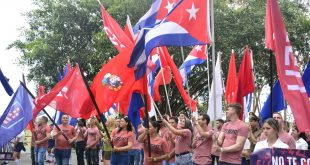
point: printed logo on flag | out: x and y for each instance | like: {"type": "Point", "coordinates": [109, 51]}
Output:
{"type": "Point", "coordinates": [112, 81]}
{"type": "Point", "coordinates": [14, 117]}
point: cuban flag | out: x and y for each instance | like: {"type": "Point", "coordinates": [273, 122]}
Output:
{"type": "Point", "coordinates": [149, 17]}
{"type": "Point", "coordinates": [111, 111]}
{"type": "Point", "coordinates": [185, 25]}
{"type": "Point", "coordinates": [16, 116]}
{"type": "Point", "coordinates": [197, 56]}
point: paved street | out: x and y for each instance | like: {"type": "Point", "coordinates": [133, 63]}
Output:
{"type": "Point", "coordinates": [26, 160]}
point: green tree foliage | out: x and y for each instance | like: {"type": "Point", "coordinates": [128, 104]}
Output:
{"type": "Point", "coordinates": [73, 28]}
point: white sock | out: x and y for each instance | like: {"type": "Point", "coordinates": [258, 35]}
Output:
{"type": "Point", "coordinates": [17, 161]}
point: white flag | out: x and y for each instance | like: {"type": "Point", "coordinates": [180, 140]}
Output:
{"type": "Point", "coordinates": [216, 114]}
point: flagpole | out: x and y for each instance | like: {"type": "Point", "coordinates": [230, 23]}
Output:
{"type": "Point", "coordinates": [162, 73]}
{"type": "Point", "coordinates": [102, 117]}
{"type": "Point", "coordinates": [208, 69]}
{"type": "Point", "coordinates": [44, 111]}
{"type": "Point", "coordinates": [187, 86]}
{"type": "Point", "coordinates": [213, 56]}
{"type": "Point", "coordinates": [147, 125]}
{"type": "Point", "coordinates": [271, 81]}
{"type": "Point", "coordinates": [32, 121]}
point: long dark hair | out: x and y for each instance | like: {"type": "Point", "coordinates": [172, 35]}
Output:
{"type": "Point", "coordinates": [156, 125]}
{"type": "Point", "coordinates": [301, 134]}
{"type": "Point", "coordinates": [128, 128]}
{"type": "Point", "coordinates": [188, 125]}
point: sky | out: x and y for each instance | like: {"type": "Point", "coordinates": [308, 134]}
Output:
{"type": "Point", "coordinates": [11, 23]}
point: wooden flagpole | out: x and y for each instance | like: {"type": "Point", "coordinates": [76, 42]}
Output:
{"type": "Point", "coordinates": [187, 86]}
{"type": "Point", "coordinates": [162, 73]}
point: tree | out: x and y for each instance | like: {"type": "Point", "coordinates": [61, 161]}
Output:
{"type": "Point", "coordinates": [73, 28]}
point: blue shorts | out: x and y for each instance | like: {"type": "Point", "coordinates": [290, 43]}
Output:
{"type": "Point", "coordinates": [20, 146]}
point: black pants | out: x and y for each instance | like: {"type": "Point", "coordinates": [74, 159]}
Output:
{"type": "Point", "coordinates": [92, 157]}
{"type": "Point", "coordinates": [80, 148]}
{"type": "Point", "coordinates": [33, 161]}
{"type": "Point", "coordinates": [215, 159]}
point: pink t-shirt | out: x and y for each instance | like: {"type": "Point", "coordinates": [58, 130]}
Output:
{"type": "Point", "coordinates": [202, 150]}
{"type": "Point", "coordinates": [183, 143]}
{"type": "Point", "coordinates": [163, 131]}
{"type": "Point", "coordinates": [122, 138]}
{"type": "Point", "coordinates": [158, 148]}
{"type": "Point", "coordinates": [170, 139]}
{"type": "Point", "coordinates": [231, 132]}
{"type": "Point", "coordinates": [284, 137]}
{"type": "Point", "coordinates": [60, 141]}
{"type": "Point", "coordinates": [80, 133]}
{"type": "Point", "coordinates": [42, 132]}
{"type": "Point", "coordinates": [92, 133]}
{"type": "Point", "coordinates": [137, 145]}
{"type": "Point", "coordinates": [214, 143]}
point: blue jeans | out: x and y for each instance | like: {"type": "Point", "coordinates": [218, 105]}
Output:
{"type": "Point", "coordinates": [135, 157]}
{"type": "Point", "coordinates": [119, 158]}
{"type": "Point", "coordinates": [40, 155]}
{"type": "Point", "coordinates": [62, 156]}
{"type": "Point", "coordinates": [184, 159]}
{"type": "Point", "coordinates": [167, 163]}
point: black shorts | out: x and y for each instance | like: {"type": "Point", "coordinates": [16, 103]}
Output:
{"type": "Point", "coordinates": [51, 143]}
{"type": "Point", "coordinates": [20, 146]}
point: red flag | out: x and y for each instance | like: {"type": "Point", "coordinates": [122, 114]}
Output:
{"type": "Point", "coordinates": [190, 103]}
{"type": "Point", "coordinates": [128, 29]}
{"type": "Point", "coordinates": [114, 82]}
{"type": "Point", "coordinates": [231, 84]}
{"type": "Point", "coordinates": [245, 79]}
{"type": "Point", "coordinates": [288, 71]}
{"type": "Point", "coordinates": [41, 93]}
{"type": "Point", "coordinates": [115, 33]}
{"type": "Point", "coordinates": [163, 78]}
{"type": "Point", "coordinates": [69, 96]}
{"type": "Point", "coordinates": [35, 110]}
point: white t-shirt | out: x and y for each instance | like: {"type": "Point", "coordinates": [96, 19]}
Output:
{"type": "Point", "coordinates": [264, 144]}
{"type": "Point", "coordinates": [21, 136]}
{"type": "Point", "coordinates": [301, 144]}
{"type": "Point", "coordinates": [247, 145]}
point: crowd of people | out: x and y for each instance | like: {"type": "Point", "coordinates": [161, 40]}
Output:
{"type": "Point", "coordinates": [173, 140]}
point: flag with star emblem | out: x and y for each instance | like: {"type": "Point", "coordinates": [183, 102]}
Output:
{"type": "Point", "coordinates": [115, 33]}
{"type": "Point", "coordinates": [69, 96]}
{"type": "Point", "coordinates": [149, 18]}
{"type": "Point", "coordinates": [186, 24]}
{"type": "Point", "coordinates": [16, 116]}
{"type": "Point", "coordinates": [196, 56]}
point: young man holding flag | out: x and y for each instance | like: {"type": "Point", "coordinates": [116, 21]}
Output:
{"type": "Point", "coordinates": [43, 132]}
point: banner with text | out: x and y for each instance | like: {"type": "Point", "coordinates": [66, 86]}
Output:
{"type": "Point", "coordinates": [277, 156]}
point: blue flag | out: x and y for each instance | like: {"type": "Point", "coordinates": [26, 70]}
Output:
{"type": "Point", "coordinates": [306, 79]}
{"type": "Point", "coordinates": [6, 84]}
{"type": "Point", "coordinates": [278, 100]}
{"type": "Point", "coordinates": [16, 116]}
{"type": "Point", "coordinates": [136, 103]}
